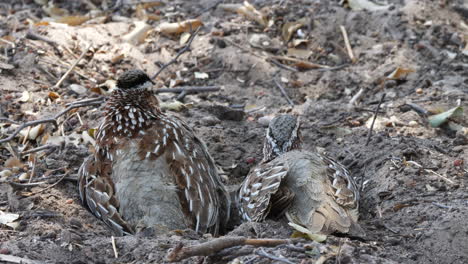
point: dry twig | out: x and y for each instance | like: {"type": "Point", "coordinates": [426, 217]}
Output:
{"type": "Point", "coordinates": [211, 247]}
{"type": "Point", "coordinates": [52, 185]}
{"type": "Point", "coordinates": [348, 46]}
{"type": "Point", "coordinates": [369, 135]}
{"type": "Point", "coordinates": [182, 51]}
{"type": "Point", "coordinates": [72, 66]}
{"type": "Point", "coordinates": [189, 89]}
{"type": "Point", "coordinates": [283, 92]}
{"type": "Point", "coordinates": [261, 252]}
{"type": "Point", "coordinates": [14, 259]}
{"type": "Point", "coordinates": [49, 120]}
{"type": "Point", "coordinates": [355, 98]}
{"type": "Point", "coordinates": [114, 247]}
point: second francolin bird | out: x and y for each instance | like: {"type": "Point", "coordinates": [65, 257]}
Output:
{"type": "Point", "coordinates": [311, 189]}
{"type": "Point", "coordinates": [149, 169]}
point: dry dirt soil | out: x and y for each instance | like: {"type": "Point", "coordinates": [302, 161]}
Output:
{"type": "Point", "coordinates": [414, 178]}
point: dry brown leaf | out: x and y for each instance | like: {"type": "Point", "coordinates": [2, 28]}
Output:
{"type": "Point", "coordinates": [288, 29]}
{"type": "Point", "coordinates": [53, 96]}
{"type": "Point", "coordinates": [73, 20]}
{"type": "Point", "coordinates": [179, 27]}
{"type": "Point", "coordinates": [117, 58]}
{"type": "Point", "coordinates": [42, 23]}
{"type": "Point", "coordinates": [399, 73]}
{"type": "Point", "coordinates": [13, 162]}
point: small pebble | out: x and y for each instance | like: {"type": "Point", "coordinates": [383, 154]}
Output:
{"type": "Point", "coordinates": [69, 201]}
{"type": "Point", "coordinates": [78, 89]}
{"type": "Point", "coordinates": [23, 176]}
{"type": "Point", "coordinates": [419, 91]}
{"type": "Point", "coordinates": [413, 123]}
{"type": "Point", "coordinates": [4, 251]}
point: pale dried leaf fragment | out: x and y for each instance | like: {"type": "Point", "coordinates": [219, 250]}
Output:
{"type": "Point", "coordinates": [184, 38]}
{"type": "Point", "coordinates": [138, 34]}
{"type": "Point", "coordinates": [9, 219]}
{"type": "Point", "coordinates": [289, 28]}
{"type": "Point", "coordinates": [179, 27]}
{"type": "Point", "coordinates": [174, 106]}
{"type": "Point", "coordinates": [299, 53]}
{"type": "Point", "coordinates": [248, 11]}
{"type": "Point", "coordinates": [310, 235]}
{"type": "Point", "coordinates": [36, 131]}
{"type": "Point", "coordinates": [25, 97]}
{"type": "Point", "coordinates": [5, 174]}
{"type": "Point", "coordinates": [201, 75]}
{"type": "Point", "coordinates": [358, 5]}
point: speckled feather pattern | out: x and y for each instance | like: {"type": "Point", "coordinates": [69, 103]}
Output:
{"type": "Point", "coordinates": [322, 194]}
{"type": "Point", "coordinates": [135, 139]}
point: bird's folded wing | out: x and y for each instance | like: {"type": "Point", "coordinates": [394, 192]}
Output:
{"type": "Point", "coordinates": [97, 192]}
{"type": "Point", "coordinates": [257, 189]}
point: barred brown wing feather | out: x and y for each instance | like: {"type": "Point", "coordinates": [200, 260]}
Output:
{"type": "Point", "coordinates": [195, 174]}
{"type": "Point", "coordinates": [257, 189]}
{"type": "Point", "coordinates": [98, 195]}
{"type": "Point", "coordinates": [343, 185]}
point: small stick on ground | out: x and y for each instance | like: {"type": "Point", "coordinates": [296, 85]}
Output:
{"type": "Point", "coordinates": [348, 46]}
{"type": "Point", "coordinates": [48, 120]}
{"type": "Point", "coordinates": [369, 135]}
{"type": "Point", "coordinates": [283, 92]}
{"type": "Point", "coordinates": [7, 120]}
{"type": "Point", "coordinates": [262, 253]}
{"type": "Point", "coordinates": [52, 185]}
{"type": "Point", "coordinates": [182, 51]}
{"type": "Point", "coordinates": [73, 66]}
{"type": "Point", "coordinates": [211, 247]}
{"type": "Point", "coordinates": [34, 150]}
{"type": "Point", "coordinates": [14, 259]}
{"type": "Point", "coordinates": [282, 66]}
{"type": "Point", "coordinates": [189, 89]}
{"type": "Point", "coordinates": [355, 98]}
{"type": "Point", "coordinates": [114, 247]}
{"type": "Point", "coordinates": [431, 171]}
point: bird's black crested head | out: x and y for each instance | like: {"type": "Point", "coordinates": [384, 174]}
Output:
{"type": "Point", "coordinates": [282, 136]}
{"type": "Point", "coordinates": [133, 79]}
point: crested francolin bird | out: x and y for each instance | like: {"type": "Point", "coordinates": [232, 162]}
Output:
{"type": "Point", "coordinates": [312, 190]}
{"type": "Point", "coordinates": [149, 169]}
